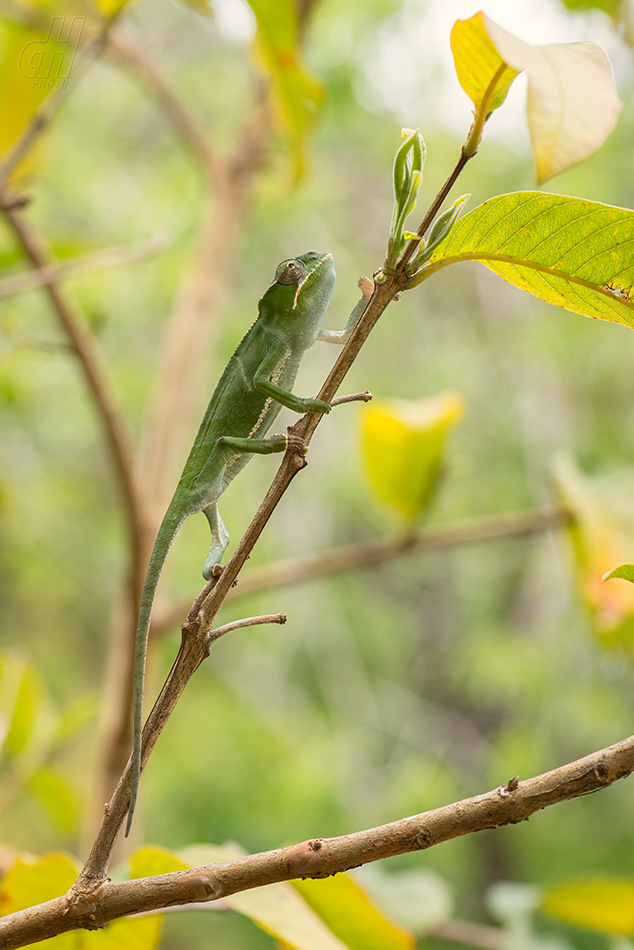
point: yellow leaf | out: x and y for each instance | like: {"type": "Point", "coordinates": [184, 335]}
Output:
{"type": "Point", "coordinates": [278, 909]}
{"type": "Point", "coordinates": [345, 907]}
{"type": "Point", "coordinates": [404, 445]}
{"type": "Point", "coordinates": [602, 536]}
{"type": "Point", "coordinates": [296, 95]}
{"type": "Point", "coordinates": [33, 65]}
{"type": "Point", "coordinates": [477, 61]}
{"type": "Point", "coordinates": [152, 860]}
{"type": "Point", "coordinates": [603, 903]}
{"type": "Point", "coordinates": [572, 103]}
{"type": "Point", "coordinates": [33, 881]}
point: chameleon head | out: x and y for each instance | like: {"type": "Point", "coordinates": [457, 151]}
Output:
{"type": "Point", "coordinates": [300, 294]}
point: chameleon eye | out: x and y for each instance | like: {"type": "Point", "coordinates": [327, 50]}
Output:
{"type": "Point", "coordinates": [289, 272]}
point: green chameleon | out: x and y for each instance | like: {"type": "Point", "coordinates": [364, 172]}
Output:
{"type": "Point", "coordinates": [254, 386]}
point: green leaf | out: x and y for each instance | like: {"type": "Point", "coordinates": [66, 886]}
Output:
{"type": "Point", "coordinates": [404, 445]}
{"type": "Point", "coordinates": [345, 907]}
{"type": "Point", "coordinates": [57, 797]}
{"type": "Point", "coordinates": [572, 104]}
{"type": "Point", "coordinates": [27, 721]}
{"type": "Point", "coordinates": [296, 95]}
{"type": "Point", "coordinates": [419, 899]}
{"type": "Point", "coordinates": [626, 571]}
{"type": "Point", "coordinates": [609, 6]}
{"type": "Point", "coordinates": [604, 903]}
{"type": "Point", "coordinates": [602, 535]}
{"type": "Point", "coordinates": [573, 253]}
{"type": "Point", "coordinates": [477, 61]}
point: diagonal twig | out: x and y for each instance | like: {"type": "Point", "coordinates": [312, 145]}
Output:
{"type": "Point", "coordinates": [348, 557]}
{"type": "Point", "coordinates": [99, 260]}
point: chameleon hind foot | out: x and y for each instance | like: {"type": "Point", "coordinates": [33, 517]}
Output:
{"type": "Point", "coordinates": [219, 540]}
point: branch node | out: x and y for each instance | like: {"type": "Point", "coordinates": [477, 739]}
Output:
{"type": "Point", "coordinates": [511, 786]}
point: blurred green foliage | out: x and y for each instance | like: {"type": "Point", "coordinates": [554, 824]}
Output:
{"type": "Point", "coordinates": [391, 690]}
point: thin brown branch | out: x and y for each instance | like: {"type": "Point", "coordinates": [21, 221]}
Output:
{"type": "Point", "coordinates": [97, 378]}
{"type": "Point", "coordinates": [11, 202]}
{"type": "Point", "coordinates": [127, 51]}
{"type": "Point", "coordinates": [349, 557]}
{"type": "Point", "coordinates": [365, 396]}
{"type": "Point", "coordinates": [100, 260]}
{"type": "Point", "coordinates": [93, 904]}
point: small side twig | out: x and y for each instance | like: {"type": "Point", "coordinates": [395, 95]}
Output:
{"type": "Point", "coordinates": [130, 53]}
{"type": "Point", "coordinates": [353, 397]}
{"type": "Point", "coordinates": [245, 622]}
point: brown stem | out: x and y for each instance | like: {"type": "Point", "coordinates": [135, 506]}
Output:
{"type": "Point", "coordinates": [473, 934]}
{"type": "Point", "coordinates": [125, 49]}
{"type": "Point", "coordinates": [84, 347]}
{"type": "Point", "coordinates": [92, 903]}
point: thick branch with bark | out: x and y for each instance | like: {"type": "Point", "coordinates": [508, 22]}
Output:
{"type": "Point", "coordinates": [516, 801]}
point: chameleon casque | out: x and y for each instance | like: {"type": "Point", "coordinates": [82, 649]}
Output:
{"type": "Point", "coordinates": [254, 386]}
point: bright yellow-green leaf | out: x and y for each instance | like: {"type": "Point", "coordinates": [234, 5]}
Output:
{"type": "Point", "coordinates": [31, 882]}
{"type": "Point", "coordinates": [404, 445]}
{"type": "Point", "coordinates": [296, 95]}
{"type": "Point", "coordinates": [573, 253]}
{"type": "Point", "coordinates": [477, 61]}
{"type": "Point", "coordinates": [602, 903]}
{"type": "Point", "coordinates": [345, 907]}
{"type": "Point", "coordinates": [57, 797]}
{"type": "Point", "coordinates": [602, 536]}
{"type": "Point", "coordinates": [572, 104]}
{"type": "Point", "coordinates": [26, 719]}
{"type": "Point", "coordinates": [624, 571]}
